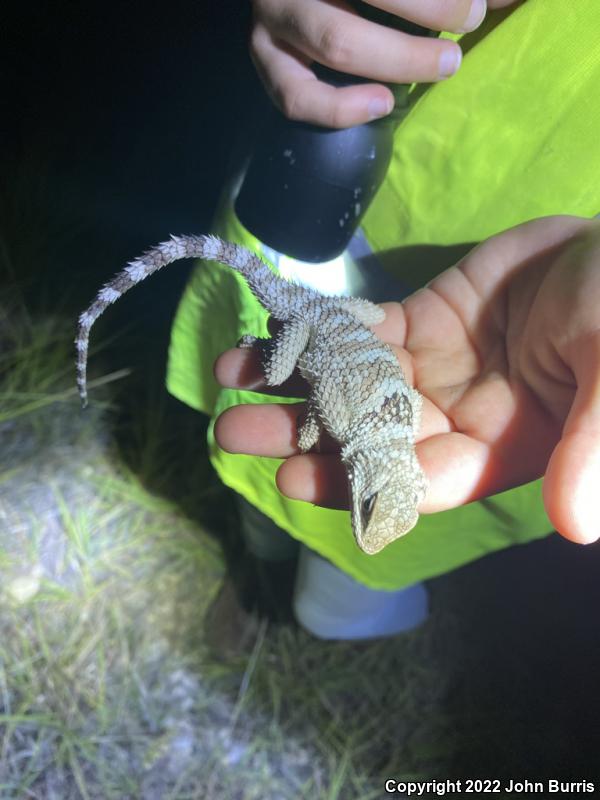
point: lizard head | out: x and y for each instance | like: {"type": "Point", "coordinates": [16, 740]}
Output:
{"type": "Point", "coordinates": [384, 496]}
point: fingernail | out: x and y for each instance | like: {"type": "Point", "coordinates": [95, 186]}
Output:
{"type": "Point", "coordinates": [450, 61]}
{"type": "Point", "coordinates": [476, 16]}
{"type": "Point", "coordinates": [379, 107]}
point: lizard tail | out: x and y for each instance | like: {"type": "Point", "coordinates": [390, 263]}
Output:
{"type": "Point", "coordinates": [271, 291]}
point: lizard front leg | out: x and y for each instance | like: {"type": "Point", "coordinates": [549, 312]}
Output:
{"type": "Point", "coordinates": [280, 354]}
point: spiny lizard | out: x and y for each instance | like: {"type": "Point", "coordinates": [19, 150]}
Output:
{"type": "Point", "coordinates": [358, 391]}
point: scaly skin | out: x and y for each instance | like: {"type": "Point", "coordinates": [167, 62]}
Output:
{"type": "Point", "coordinates": [358, 391]}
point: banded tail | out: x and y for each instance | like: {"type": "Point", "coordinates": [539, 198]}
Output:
{"type": "Point", "coordinates": [272, 292]}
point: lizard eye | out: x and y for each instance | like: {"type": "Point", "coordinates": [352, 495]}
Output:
{"type": "Point", "coordinates": [368, 503]}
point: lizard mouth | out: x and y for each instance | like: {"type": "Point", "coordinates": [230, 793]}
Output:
{"type": "Point", "coordinates": [372, 544]}
{"type": "Point", "coordinates": [371, 549]}
{"type": "Point", "coordinates": [369, 544]}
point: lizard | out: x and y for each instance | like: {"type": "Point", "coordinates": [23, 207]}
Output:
{"type": "Point", "coordinates": [358, 392]}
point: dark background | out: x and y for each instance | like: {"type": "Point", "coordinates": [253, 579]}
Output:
{"type": "Point", "coordinates": [118, 124]}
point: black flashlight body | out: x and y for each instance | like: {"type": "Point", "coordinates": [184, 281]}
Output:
{"type": "Point", "coordinates": [306, 188]}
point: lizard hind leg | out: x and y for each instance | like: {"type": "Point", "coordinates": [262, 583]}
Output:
{"type": "Point", "coordinates": [309, 428]}
{"type": "Point", "coordinates": [281, 357]}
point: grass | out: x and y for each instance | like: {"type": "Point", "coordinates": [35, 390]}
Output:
{"type": "Point", "coordinates": [107, 688]}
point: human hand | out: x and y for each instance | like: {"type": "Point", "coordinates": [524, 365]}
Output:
{"type": "Point", "coordinates": [287, 36]}
{"type": "Point", "coordinates": [505, 348]}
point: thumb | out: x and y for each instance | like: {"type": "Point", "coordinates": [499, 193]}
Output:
{"type": "Point", "coordinates": [572, 482]}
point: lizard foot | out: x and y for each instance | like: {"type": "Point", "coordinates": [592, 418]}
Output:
{"type": "Point", "coordinates": [309, 429]}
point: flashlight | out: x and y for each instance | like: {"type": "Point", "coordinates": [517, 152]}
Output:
{"type": "Point", "coordinates": [306, 188]}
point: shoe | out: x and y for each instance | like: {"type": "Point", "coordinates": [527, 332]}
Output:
{"type": "Point", "coordinates": [253, 591]}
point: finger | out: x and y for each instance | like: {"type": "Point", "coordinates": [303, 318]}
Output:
{"type": "Point", "coordinates": [315, 478]}
{"type": "Point", "coordinates": [571, 485]}
{"type": "Point", "coordinates": [493, 262]}
{"type": "Point", "coordinates": [260, 430]}
{"type": "Point", "coordinates": [459, 16]}
{"type": "Point", "coordinates": [393, 328]}
{"type": "Point", "coordinates": [265, 430]}
{"type": "Point", "coordinates": [296, 91]}
{"type": "Point", "coordinates": [454, 464]}
{"type": "Point", "coordinates": [240, 368]}
{"type": "Point", "coordinates": [458, 470]}
{"type": "Point", "coordinates": [447, 314]}
{"type": "Point", "coordinates": [334, 35]}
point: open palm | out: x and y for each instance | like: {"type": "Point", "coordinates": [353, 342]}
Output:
{"type": "Point", "coordinates": [505, 348]}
